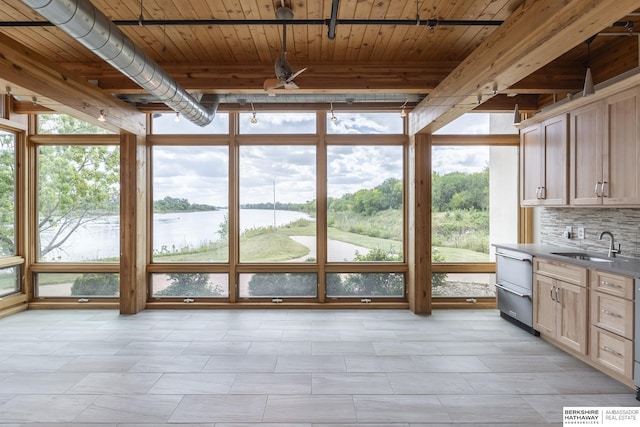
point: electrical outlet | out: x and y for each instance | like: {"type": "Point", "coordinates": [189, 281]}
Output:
{"type": "Point", "coordinates": [581, 233]}
{"type": "Point", "coordinates": [567, 232]}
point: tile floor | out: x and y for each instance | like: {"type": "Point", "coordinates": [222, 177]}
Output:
{"type": "Point", "coordinates": [289, 368]}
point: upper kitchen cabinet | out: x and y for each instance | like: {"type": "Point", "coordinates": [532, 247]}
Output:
{"type": "Point", "coordinates": [543, 163]}
{"type": "Point", "coordinates": [605, 147]}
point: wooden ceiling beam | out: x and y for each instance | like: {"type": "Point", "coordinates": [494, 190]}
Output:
{"type": "Point", "coordinates": [29, 75]}
{"type": "Point", "coordinates": [326, 78]}
{"type": "Point", "coordinates": [535, 34]}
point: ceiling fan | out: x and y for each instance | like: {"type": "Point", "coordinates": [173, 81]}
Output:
{"type": "Point", "coordinates": [284, 74]}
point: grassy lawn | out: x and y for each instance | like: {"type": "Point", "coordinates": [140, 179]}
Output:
{"type": "Point", "coordinates": [461, 255]}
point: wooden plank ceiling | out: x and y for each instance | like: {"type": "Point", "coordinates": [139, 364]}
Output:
{"type": "Point", "coordinates": [219, 46]}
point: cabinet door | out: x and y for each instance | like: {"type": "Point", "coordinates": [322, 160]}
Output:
{"type": "Point", "coordinates": [572, 316]}
{"type": "Point", "coordinates": [556, 142]}
{"type": "Point", "coordinates": [585, 166]}
{"type": "Point", "coordinates": [531, 159]}
{"type": "Point", "coordinates": [621, 174]}
{"type": "Point", "coordinates": [544, 305]}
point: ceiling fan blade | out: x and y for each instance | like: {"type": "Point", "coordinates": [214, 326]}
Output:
{"type": "Point", "coordinates": [296, 74]}
{"type": "Point", "coordinates": [271, 84]}
{"type": "Point", "coordinates": [291, 85]}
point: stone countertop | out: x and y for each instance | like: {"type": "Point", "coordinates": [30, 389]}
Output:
{"type": "Point", "coordinates": [620, 265]}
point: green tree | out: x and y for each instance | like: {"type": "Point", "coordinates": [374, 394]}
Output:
{"type": "Point", "coordinates": [368, 284]}
{"type": "Point", "coordinates": [7, 194]}
{"type": "Point", "coordinates": [54, 123]}
{"type": "Point", "coordinates": [283, 285]}
{"type": "Point", "coordinates": [190, 285]}
{"type": "Point", "coordinates": [437, 279]}
{"type": "Point", "coordinates": [99, 284]}
{"type": "Point", "coordinates": [76, 185]}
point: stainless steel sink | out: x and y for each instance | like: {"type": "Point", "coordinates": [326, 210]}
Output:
{"type": "Point", "coordinates": [583, 256]}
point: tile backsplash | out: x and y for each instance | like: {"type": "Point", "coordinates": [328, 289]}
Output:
{"type": "Point", "coordinates": [623, 223]}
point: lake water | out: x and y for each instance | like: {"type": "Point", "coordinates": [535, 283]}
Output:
{"type": "Point", "coordinates": [101, 238]}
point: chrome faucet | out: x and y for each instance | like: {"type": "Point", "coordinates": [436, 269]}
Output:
{"type": "Point", "coordinates": [612, 248]}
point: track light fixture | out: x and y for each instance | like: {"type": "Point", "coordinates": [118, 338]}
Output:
{"type": "Point", "coordinates": [403, 111]}
{"type": "Point", "coordinates": [254, 120]}
{"type": "Point", "coordinates": [177, 118]}
{"type": "Point", "coordinates": [102, 116]}
{"type": "Point", "coordinates": [333, 116]}
{"type": "Point", "coordinates": [589, 88]}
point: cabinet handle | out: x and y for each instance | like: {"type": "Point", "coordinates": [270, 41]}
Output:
{"type": "Point", "coordinates": [556, 298]}
{"type": "Point", "coordinates": [543, 193]}
{"type": "Point", "coordinates": [610, 313]}
{"type": "Point", "coordinates": [596, 189]}
{"type": "Point", "coordinates": [602, 189]}
{"type": "Point", "coordinates": [537, 192]}
{"type": "Point", "coordinates": [551, 292]}
{"type": "Point", "coordinates": [611, 285]}
{"type": "Point", "coordinates": [612, 351]}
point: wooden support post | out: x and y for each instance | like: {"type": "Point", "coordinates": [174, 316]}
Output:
{"type": "Point", "coordinates": [419, 238]}
{"type": "Point", "coordinates": [133, 230]}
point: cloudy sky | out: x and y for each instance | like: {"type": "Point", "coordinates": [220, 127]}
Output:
{"type": "Point", "coordinates": [200, 174]}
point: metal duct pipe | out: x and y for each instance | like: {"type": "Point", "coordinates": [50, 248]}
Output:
{"type": "Point", "coordinates": [82, 21]}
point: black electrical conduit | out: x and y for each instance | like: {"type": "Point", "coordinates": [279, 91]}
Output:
{"type": "Point", "coordinates": [330, 23]}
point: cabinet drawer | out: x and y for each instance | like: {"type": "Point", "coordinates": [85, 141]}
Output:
{"type": "Point", "coordinates": [558, 270]}
{"type": "Point", "coordinates": [612, 313]}
{"type": "Point", "coordinates": [612, 284]}
{"type": "Point", "coordinates": [611, 352]}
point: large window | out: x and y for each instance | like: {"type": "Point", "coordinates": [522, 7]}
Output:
{"type": "Point", "coordinates": [190, 204]}
{"type": "Point", "coordinates": [277, 203]}
{"type": "Point", "coordinates": [474, 204]}
{"type": "Point", "coordinates": [365, 203]}
{"type": "Point", "coordinates": [78, 203]}
{"type": "Point", "coordinates": [77, 218]}
{"type": "Point", "coordinates": [235, 216]}
{"type": "Point", "coordinates": [10, 273]}
{"type": "Point", "coordinates": [7, 194]}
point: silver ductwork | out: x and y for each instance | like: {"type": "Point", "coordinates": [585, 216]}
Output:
{"type": "Point", "coordinates": [82, 21]}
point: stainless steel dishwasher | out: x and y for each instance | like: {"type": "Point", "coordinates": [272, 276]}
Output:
{"type": "Point", "coordinates": [514, 283]}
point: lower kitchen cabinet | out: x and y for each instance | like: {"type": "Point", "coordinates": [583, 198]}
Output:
{"type": "Point", "coordinates": [612, 353]}
{"type": "Point", "coordinates": [612, 320]}
{"type": "Point", "coordinates": [560, 312]}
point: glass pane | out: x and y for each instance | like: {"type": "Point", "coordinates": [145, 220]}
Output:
{"type": "Point", "coordinates": [278, 285]}
{"type": "Point", "coordinates": [365, 123]}
{"type": "Point", "coordinates": [174, 285]}
{"type": "Point", "coordinates": [463, 285]}
{"type": "Point", "coordinates": [77, 285]}
{"type": "Point", "coordinates": [9, 280]}
{"type": "Point", "coordinates": [277, 203]}
{"type": "Point", "coordinates": [475, 201]}
{"type": "Point", "coordinates": [480, 124]}
{"type": "Point", "coordinates": [365, 203]}
{"type": "Point", "coordinates": [170, 123]}
{"type": "Point", "coordinates": [64, 124]}
{"type": "Point", "coordinates": [78, 203]}
{"type": "Point", "coordinates": [365, 285]}
{"type": "Point", "coordinates": [7, 194]}
{"type": "Point", "coordinates": [190, 200]}
{"type": "Point", "coordinates": [277, 123]}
